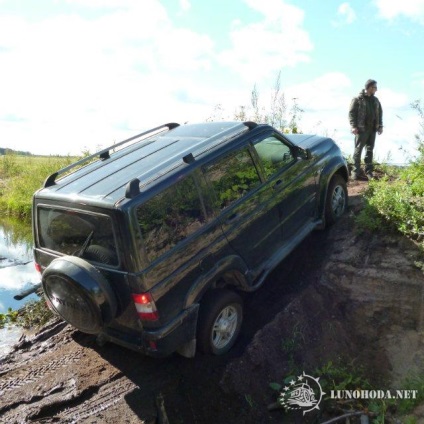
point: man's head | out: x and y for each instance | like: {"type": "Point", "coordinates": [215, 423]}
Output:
{"type": "Point", "coordinates": [371, 87]}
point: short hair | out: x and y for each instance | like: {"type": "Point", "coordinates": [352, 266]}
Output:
{"type": "Point", "coordinates": [370, 82]}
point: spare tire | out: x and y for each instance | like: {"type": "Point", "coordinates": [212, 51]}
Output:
{"type": "Point", "coordinates": [79, 293]}
{"type": "Point", "coordinates": [100, 254]}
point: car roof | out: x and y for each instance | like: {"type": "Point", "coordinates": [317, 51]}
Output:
{"type": "Point", "coordinates": [118, 173]}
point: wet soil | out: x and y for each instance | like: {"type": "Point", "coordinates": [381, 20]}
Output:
{"type": "Point", "coordinates": [341, 296]}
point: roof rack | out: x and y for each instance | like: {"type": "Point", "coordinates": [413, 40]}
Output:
{"type": "Point", "coordinates": [132, 188]}
{"type": "Point", "coordinates": [103, 154]}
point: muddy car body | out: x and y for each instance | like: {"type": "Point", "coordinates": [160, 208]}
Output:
{"type": "Point", "coordinates": [149, 244]}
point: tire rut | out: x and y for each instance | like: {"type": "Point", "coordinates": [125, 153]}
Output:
{"type": "Point", "coordinates": [36, 373]}
{"type": "Point", "coordinates": [67, 406]}
{"type": "Point", "coordinates": [96, 400]}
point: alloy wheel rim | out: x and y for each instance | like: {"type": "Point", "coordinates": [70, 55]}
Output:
{"type": "Point", "coordinates": [224, 327]}
{"type": "Point", "coordinates": [338, 201]}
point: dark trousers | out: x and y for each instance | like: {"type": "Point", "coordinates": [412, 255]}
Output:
{"type": "Point", "coordinates": [364, 139]}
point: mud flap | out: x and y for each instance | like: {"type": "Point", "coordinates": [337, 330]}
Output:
{"type": "Point", "coordinates": [188, 350]}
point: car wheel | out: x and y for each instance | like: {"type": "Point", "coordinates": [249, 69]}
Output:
{"type": "Point", "coordinates": [79, 293]}
{"type": "Point", "coordinates": [220, 318]}
{"type": "Point", "coordinates": [336, 203]}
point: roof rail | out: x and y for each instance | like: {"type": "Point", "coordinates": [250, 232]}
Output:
{"type": "Point", "coordinates": [133, 188]}
{"type": "Point", "coordinates": [103, 154]}
{"type": "Point", "coordinates": [250, 124]}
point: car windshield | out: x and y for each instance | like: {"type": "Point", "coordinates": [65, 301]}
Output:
{"type": "Point", "coordinates": [76, 233]}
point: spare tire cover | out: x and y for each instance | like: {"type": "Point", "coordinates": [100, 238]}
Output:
{"type": "Point", "coordinates": [79, 293]}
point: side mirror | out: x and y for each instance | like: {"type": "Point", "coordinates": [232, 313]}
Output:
{"type": "Point", "coordinates": [304, 154]}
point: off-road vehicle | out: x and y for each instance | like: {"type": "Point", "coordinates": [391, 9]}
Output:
{"type": "Point", "coordinates": [149, 243]}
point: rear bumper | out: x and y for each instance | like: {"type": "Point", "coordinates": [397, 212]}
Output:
{"type": "Point", "coordinates": [159, 342]}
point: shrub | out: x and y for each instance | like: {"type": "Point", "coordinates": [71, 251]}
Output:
{"type": "Point", "coordinates": [397, 201]}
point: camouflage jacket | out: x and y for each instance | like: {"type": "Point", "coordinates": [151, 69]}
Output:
{"type": "Point", "coordinates": [365, 113]}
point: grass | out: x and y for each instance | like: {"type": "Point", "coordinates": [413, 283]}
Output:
{"type": "Point", "coordinates": [396, 201]}
{"type": "Point", "coordinates": [21, 176]}
{"type": "Point", "coordinates": [336, 378]}
{"type": "Point", "coordinates": [34, 314]}
{"type": "Point", "coordinates": [393, 202]}
{"type": "Point", "coordinates": [10, 317]}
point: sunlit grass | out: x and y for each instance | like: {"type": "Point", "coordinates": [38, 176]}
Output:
{"type": "Point", "coordinates": [397, 199]}
{"type": "Point", "coordinates": [21, 176]}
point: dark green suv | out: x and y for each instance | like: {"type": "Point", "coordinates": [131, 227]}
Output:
{"type": "Point", "coordinates": [148, 243]}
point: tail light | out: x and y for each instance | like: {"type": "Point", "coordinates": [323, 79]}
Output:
{"type": "Point", "coordinates": [145, 306]}
{"type": "Point", "coordinates": [38, 267]}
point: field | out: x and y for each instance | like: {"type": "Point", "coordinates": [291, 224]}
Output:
{"type": "Point", "coordinates": [21, 176]}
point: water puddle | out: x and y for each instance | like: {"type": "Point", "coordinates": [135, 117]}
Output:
{"type": "Point", "coordinates": [8, 337]}
{"type": "Point", "coordinates": [17, 273]}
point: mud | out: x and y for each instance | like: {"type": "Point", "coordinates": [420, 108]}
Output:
{"type": "Point", "coordinates": [341, 296]}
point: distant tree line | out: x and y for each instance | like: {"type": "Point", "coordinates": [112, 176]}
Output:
{"type": "Point", "coordinates": [6, 151]}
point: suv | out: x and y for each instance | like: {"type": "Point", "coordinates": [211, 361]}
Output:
{"type": "Point", "coordinates": [150, 243]}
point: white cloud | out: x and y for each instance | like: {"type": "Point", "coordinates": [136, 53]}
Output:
{"type": "Point", "coordinates": [326, 92]}
{"type": "Point", "coordinates": [393, 99]}
{"type": "Point", "coordinates": [276, 41]}
{"type": "Point", "coordinates": [17, 277]}
{"type": "Point", "coordinates": [390, 9]}
{"type": "Point", "coordinates": [68, 81]}
{"type": "Point", "coordinates": [346, 14]}
{"type": "Point", "coordinates": [185, 5]}
{"type": "Point", "coordinates": [71, 82]}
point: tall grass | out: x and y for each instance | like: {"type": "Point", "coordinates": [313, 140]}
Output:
{"type": "Point", "coordinates": [21, 176]}
{"type": "Point", "coordinates": [398, 201]}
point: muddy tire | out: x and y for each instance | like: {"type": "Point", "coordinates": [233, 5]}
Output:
{"type": "Point", "coordinates": [336, 203]}
{"type": "Point", "coordinates": [220, 318]}
{"type": "Point", "coordinates": [79, 293]}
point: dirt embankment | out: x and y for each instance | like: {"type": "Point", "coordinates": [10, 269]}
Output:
{"type": "Point", "coordinates": [340, 296]}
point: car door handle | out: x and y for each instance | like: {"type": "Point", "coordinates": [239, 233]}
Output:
{"type": "Point", "coordinates": [232, 217]}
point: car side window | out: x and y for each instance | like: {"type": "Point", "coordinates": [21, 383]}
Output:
{"type": "Point", "coordinates": [273, 154]}
{"type": "Point", "coordinates": [170, 217]}
{"type": "Point", "coordinates": [232, 177]}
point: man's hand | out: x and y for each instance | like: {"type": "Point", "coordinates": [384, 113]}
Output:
{"type": "Point", "coordinates": [380, 131]}
{"type": "Point", "coordinates": [355, 131]}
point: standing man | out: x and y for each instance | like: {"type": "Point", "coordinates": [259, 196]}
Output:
{"type": "Point", "coordinates": [366, 119]}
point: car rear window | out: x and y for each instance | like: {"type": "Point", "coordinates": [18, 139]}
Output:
{"type": "Point", "coordinates": [77, 233]}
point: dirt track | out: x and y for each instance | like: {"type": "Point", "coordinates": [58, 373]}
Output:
{"type": "Point", "coordinates": [348, 295]}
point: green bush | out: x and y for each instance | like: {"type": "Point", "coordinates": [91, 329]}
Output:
{"type": "Point", "coordinates": [34, 314]}
{"type": "Point", "coordinates": [394, 204]}
{"type": "Point", "coordinates": [397, 200]}
{"type": "Point", "coordinates": [9, 317]}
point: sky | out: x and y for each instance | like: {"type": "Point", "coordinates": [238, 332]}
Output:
{"type": "Point", "coordinates": [79, 75]}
